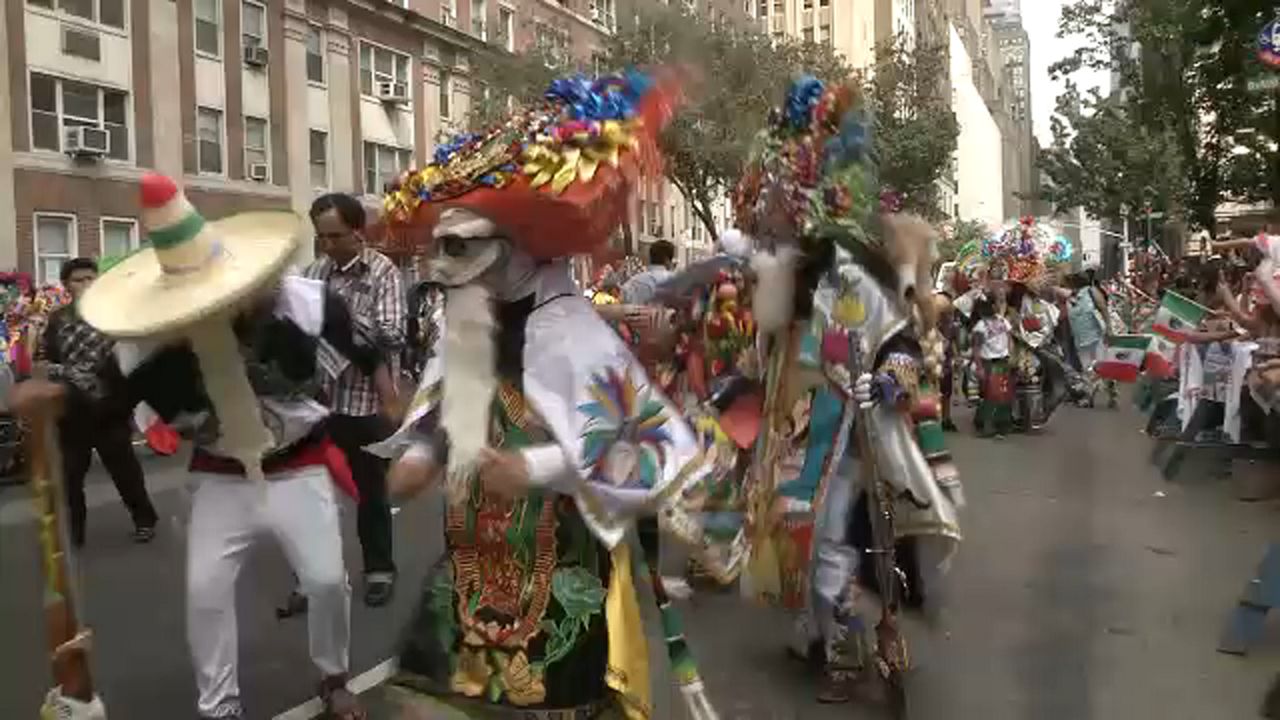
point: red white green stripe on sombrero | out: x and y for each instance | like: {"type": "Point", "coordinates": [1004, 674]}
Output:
{"type": "Point", "coordinates": [1176, 316]}
{"type": "Point", "coordinates": [175, 228]}
{"type": "Point", "coordinates": [1122, 357]}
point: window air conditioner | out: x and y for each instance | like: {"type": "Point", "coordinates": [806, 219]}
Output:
{"type": "Point", "coordinates": [393, 92]}
{"type": "Point", "coordinates": [256, 56]}
{"type": "Point", "coordinates": [86, 142]}
{"type": "Point", "coordinates": [259, 172]}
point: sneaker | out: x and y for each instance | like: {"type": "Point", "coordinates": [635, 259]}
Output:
{"type": "Point", "coordinates": [142, 535]}
{"type": "Point", "coordinates": [58, 707]}
{"type": "Point", "coordinates": [228, 710]}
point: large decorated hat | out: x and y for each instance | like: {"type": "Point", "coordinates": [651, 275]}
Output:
{"type": "Point", "coordinates": [1027, 251]}
{"type": "Point", "coordinates": [812, 169]}
{"type": "Point", "coordinates": [555, 176]}
{"type": "Point", "coordinates": [192, 268]}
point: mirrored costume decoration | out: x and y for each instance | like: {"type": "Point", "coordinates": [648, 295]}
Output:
{"type": "Point", "coordinates": [533, 611]}
{"type": "Point", "coordinates": [836, 300]}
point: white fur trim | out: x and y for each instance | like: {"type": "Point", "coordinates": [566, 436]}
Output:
{"type": "Point", "coordinates": [734, 242]}
{"type": "Point", "coordinates": [773, 301]}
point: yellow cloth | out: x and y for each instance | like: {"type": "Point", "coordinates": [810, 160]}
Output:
{"type": "Point", "coordinates": [628, 649]}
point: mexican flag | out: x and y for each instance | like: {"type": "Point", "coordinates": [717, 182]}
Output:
{"type": "Point", "coordinates": [1122, 357]}
{"type": "Point", "coordinates": [1176, 316]}
{"type": "Point", "coordinates": [1162, 357]}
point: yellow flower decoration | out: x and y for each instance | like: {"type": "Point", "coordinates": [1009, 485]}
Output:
{"type": "Point", "coordinates": [548, 160]}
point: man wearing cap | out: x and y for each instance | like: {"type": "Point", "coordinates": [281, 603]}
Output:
{"type": "Point", "coordinates": [208, 327]}
{"type": "Point", "coordinates": [370, 284]}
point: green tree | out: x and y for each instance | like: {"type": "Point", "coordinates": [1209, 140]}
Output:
{"type": "Point", "coordinates": [740, 77]}
{"type": "Point", "coordinates": [1187, 67]}
{"type": "Point", "coordinates": [957, 234]}
{"type": "Point", "coordinates": [916, 130]}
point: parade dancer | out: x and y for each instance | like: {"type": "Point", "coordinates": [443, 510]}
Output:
{"type": "Point", "coordinates": [536, 420]}
{"type": "Point", "coordinates": [220, 333]}
{"type": "Point", "coordinates": [1033, 333]}
{"type": "Point", "coordinates": [838, 278]}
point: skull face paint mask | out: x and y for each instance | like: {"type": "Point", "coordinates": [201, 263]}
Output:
{"type": "Point", "coordinates": [466, 246]}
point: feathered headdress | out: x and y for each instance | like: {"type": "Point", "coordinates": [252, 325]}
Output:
{"type": "Point", "coordinates": [556, 175]}
{"type": "Point", "coordinates": [813, 169]}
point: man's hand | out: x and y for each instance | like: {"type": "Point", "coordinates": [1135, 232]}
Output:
{"type": "Point", "coordinates": [33, 397]}
{"type": "Point", "coordinates": [864, 391]}
{"type": "Point", "coordinates": [504, 473]}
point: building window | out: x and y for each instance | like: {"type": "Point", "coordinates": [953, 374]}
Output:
{"type": "Point", "coordinates": [479, 19]}
{"type": "Point", "coordinates": [446, 94]}
{"type": "Point", "coordinates": [552, 42]}
{"type": "Point", "coordinates": [119, 236]}
{"type": "Point", "coordinates": [256, 143]}
{"type": "Point", "coordinates": [382, 164]}
{"type": "Point", "coordinates": [319, 159]}
{"type": "Point", "coordinates": [107, 12]}
{"type": "Point", "coordinates": [378, 65]}
{"type": "Point", "coordinates": [208, 27]}
{"type": "Point", "coordinates": [824, 35]}
{"type": "Point", "coordinates": [507, 28]}
{"type": "Point", "coordinates": [253, 24]}
{"type": "Point", "coordinates": [209, 140]}
{"type": "Point", "coordinates": [58, 104]}
{"type": "Point", "coordinates": [603, 12]}
{"type": "Point", "coordinates": [315, 55]}
{"type": "Point", "coordinates": [55, 244]}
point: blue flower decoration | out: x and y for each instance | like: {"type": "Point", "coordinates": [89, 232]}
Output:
{"type": "Point", "coordinates": [448, 150]}
{"type": "Point", "coordinates": [802, 98]}
{"type": "Point", "coordinates": [610, 98]}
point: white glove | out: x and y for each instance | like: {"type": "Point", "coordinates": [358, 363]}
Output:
{"type": "Point", "coordinates": [862, 391]}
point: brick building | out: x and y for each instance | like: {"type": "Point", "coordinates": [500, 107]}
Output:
{"type": "Point", "coordinates": [253, 103]}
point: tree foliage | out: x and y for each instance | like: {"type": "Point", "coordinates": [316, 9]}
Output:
{"type": "Point", "coordinates": [740, 77]}
{"type": "Point", "coordinates": [916, 130]}
{"type": "Point", "coordinates": [1186, 67]}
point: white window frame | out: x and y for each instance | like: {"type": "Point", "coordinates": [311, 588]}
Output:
{"type": "Point", "coordinates": [53, 7]}
{"type": "Point", "coordinates": [222, 141]}
{"type": "Point", "coordinates": [311, 161]}
{"type": "Point", "coordinates": [508, 28]}
{"type": "Point", "coordinates": [378, 170]}
{"type": "Point", "coordinates": [134, 240]}
{"type": "Point", "coordinates": [73, 239]}
{"type": "Point", "coordinates": [195, 24]}
{"type": "Point", "coordinates": [324, 61]}
{"type": "Point", "coordinates": [374, 49]}
{"type": "Point", "coordinates": [244, 36]}
{"type": "Point", "coordinates": [61, 115]}
{"type": "Point", "coordinates": [480, 19]}
{"type": "Point", "coordinates": [266, 143]}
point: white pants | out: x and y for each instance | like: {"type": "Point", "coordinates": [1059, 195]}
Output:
{"type": "Point", "coordinates": [228, 514]}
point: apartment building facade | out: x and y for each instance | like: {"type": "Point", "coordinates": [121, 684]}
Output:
{"type": "Point", "coordinates": [254, 104]}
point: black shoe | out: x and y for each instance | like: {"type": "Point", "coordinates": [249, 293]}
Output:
{"type": "Point", "coordinates": [948, 426]}
{"type": "Point", "coordinates": [144, 534]}
{"type": "Point", "coordinates": [379, 589]}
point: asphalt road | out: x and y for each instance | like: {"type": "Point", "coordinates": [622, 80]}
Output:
{"type": "Point", "coordinates": [1087, 588]}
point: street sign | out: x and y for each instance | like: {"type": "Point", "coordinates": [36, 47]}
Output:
{"type": "Point", "coordinates": [1269, 43]}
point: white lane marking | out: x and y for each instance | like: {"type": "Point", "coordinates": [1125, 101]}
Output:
{"type": "Point", "coordinates": [359, 684]}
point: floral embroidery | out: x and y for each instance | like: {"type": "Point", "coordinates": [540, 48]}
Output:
{"type": "Point", "coordinates": [624, 439]}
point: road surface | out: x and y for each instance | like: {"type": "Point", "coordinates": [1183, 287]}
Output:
{"type": "Point", "coordinates": [1087, 588]}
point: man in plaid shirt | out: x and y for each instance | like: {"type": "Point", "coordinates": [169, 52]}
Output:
{"type": "Point", "coordinates": [370, 284]}
{"type": "Point", "coordinates": [99, 414]}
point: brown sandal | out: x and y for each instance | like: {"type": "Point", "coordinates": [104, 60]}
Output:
{"type": "Point", "coordinates": [339, 702]}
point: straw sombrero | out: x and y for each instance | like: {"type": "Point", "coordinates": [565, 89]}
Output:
{"type": "Point", "coordinates": [193, 268]}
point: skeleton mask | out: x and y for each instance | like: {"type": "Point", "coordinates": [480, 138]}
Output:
{"type": "Point", "coordinates": [470, 248]}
